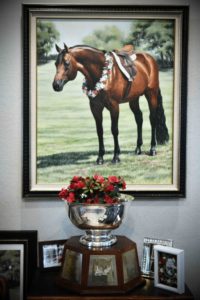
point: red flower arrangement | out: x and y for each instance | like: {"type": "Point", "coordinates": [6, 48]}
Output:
{"type": "Point", "coordinates": [93, 190]}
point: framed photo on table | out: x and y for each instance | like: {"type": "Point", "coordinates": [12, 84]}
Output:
{"type": "Point", "coordinates": [169, 272]}
{"type": "Point", "coordinates": [18, 260]}
{"type": "Point", "coordinates": [50, 254]}
{"type": "Point", "coordinates": [147, 264]}
{"type": "Point", "coordinates": [60, 138]}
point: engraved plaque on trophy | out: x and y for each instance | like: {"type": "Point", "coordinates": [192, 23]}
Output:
{"type": "Point", "coordinates": [113, 269]}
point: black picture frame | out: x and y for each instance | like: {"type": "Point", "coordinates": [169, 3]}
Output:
{"type": "Point", "coordinates": [26, 242]}
{"type": "Point", "coordinates": [50, 254]}
{"type": "Point", "coordinates": [177, 188]}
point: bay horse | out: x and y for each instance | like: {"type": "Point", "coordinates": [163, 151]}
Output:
{"type": "Point", "coordinates": [106, 86]}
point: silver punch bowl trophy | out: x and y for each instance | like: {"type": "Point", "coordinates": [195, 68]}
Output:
{"type": "Point", "coordinates": [99, 262]}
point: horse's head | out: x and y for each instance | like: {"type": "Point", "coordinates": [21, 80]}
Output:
{"type": "Point", "coordinates": [66, 68]}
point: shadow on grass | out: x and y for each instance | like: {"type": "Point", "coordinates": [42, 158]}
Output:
{"type": "Point", "coordinates": [71, 158]}
{"type": "Point", "coordinates": [67, 158]}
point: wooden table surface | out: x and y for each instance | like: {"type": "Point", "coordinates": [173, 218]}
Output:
{"type": "Point", "coordinates": [44, 287]}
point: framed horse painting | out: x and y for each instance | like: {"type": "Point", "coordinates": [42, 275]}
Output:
{"type": "Point", "coordinates": [105, 90]}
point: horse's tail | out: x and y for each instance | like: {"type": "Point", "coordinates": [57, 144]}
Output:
{"type": "Point", "coordinates": [162, 135]}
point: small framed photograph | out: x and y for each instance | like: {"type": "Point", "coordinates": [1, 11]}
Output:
{"type": "Point", "coordinates": [147, 265]}
{"type": "Point", "coordinates": [50, 253]}
{"type": "Point", "coordinates": [169, 269]}
{"type": "Point", "coordinates": [18, 260]}
{"type": "Point", "coordinates": [13, 263]}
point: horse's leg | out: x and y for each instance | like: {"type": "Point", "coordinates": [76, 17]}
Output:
{"type": "Point", "coordinates": [97, 111]}
{"type": "Point", "coordinates": [152, 102]}
{"type": "Point", "coordinates": [152, 118]}
{"type": "Point", "coordinates": [134, 106]}
{"type": "Point", "coordinates": [114, 114]}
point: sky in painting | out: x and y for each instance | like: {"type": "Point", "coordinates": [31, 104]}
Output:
{"type": "Point", "coordinates": [72, 32]}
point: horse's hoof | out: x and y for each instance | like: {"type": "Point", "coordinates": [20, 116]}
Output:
{"type": "Point", "coordinates": [100, 161]}
{"type": "Point", "coordinates": [115, 160]}
{"type": "Point", "coordinates": [138, 151]}
{"type": "Point", "coordinates": [152, 152]}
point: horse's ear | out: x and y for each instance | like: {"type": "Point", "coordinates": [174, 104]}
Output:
{"type": "Point", "coordinates": [58, 49]}
{"type": "Point", "coordinates": [66, 48]}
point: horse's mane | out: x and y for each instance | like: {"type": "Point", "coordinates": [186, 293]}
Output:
{"type": "Point", "coordinates": [87, 48]}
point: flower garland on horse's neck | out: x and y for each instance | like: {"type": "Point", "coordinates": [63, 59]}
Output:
{"type": "Point", "coordinates": [102, 81]}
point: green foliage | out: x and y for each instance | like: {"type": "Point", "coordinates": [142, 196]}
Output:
{"type": "Point", "coordinates": [46, 37]}
{"type": "Point", "coordinates": [108, 38]}
{"type": "Point", "coordinates": [138, 32]}
{"type": "Point", "coordinates": [156, 37]}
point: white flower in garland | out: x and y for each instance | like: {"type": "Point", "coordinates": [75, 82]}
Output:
{"type": "Point", "coordinates": [102, 81]}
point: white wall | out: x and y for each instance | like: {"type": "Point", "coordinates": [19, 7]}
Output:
{"type": "Point", "coordinates": [177, 219]}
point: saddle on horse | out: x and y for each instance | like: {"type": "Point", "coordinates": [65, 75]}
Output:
{"type": "Point", "coordinates": [125, 59]}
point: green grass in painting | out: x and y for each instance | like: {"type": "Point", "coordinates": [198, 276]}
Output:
{"type": "Point", "coordinates": [67, 141]}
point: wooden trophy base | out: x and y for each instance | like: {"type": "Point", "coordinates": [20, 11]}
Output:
{"type": "Point", "coordinates": [113, 270]}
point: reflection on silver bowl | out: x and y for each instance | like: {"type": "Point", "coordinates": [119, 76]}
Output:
{"type": "Point", "coordinates": [98, 220]}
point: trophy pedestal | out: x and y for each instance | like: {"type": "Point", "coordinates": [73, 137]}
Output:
{"type": "Point", "coordinates": [113, 269]}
